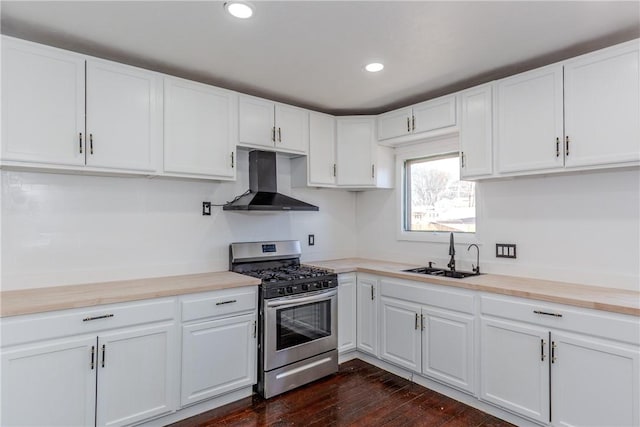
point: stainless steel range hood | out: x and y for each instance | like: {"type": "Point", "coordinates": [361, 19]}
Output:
{"type": "Point", "coordinates": [263, 190]}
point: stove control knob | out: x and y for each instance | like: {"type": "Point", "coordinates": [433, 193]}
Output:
{"type": "Point", "coordinates": [318, 285]}
{"type": "Point", "coordinates": [280, 291]}
{"type": "Point", "coordinates": [289, 290]}
{"type": "Point", "coordinates": [305, 287]}
{"type": "Point", "coordinates": [325, 284]}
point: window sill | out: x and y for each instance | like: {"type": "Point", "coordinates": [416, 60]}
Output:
{"type": "Point", "coordinates": [437, 237]}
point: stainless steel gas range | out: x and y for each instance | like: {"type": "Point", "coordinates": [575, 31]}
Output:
{"type": "Point", "coordinates": [298, 311]}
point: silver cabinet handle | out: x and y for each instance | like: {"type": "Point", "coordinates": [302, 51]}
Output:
{"type": "Point", "coordinates": [104, 316]}
{"type": "Point", "coordinates": [462, 159]}
{"type": "Point", "coordinates": [104, 350]}
{"type": "Point", "coordinates": [553, 352]}
{"type": "Point", "coordinates": [408, 124]}
{"type": "Point", "coordinates": [232, 160]}
{"type": "Point", "coordinates": [413, 122]}
{"type": "Point", "coordinates": [557, 147]}
{"type": "Point", "coordinates": [322, 295]}
{"type": "Point", "coordinates": [91, 143]}
{"type": "Point", "coordinates": [255, 329]}
{"type": "Point", "coordinates": [422, 322]}
{"type": "Point", "coordinates": [542, 355]}
{"type": "Point", "coordinates": [80, 142]}
{"type": "Point", "coordinates": [231, 301]}
{"type": "Point", "coordinates": [566, 148]}
{"type": "Point", "coordinates": [279, 135]}
{"type": "Point", "coordinates": [373, 295]}
{"type": "Point", "coordinates": [273, 134]}
{"type": "Point", "coordinates": [416, 326]}
{"type": "Point", "coordinates": [373, 171]}
{"type": "Point", "coordinates": [334, 169]}
{"type": "Point", "coordinates": [93, 356]}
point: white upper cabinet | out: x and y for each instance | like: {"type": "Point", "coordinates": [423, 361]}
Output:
{"type": "Point", "coordinates": [602, 107]}
{"type": "Point", "coordinates": [200, 129]}
{"type": "Point", "coordinates": [581, 114]}
{"type": "Point", "coordinates": [44, 92]}
{"type": "Point", "coordinates": [431, 118]}
{"type": "Point", "coordinates": [322, 150]}
{"type": "Point", "coordinates": [42, 104]}
{"type": "Point", "coordinates": [124, 118]}
{"type": "Point", "coordinates": [361, 161]}
{"type": "Point", "coordinates": [530, 126]}
{"type": "Point", "coordinates": [476, 132]}
{"type": "Point", "coordinates": [263, 123]}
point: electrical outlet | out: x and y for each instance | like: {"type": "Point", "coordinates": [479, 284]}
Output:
{"type": "Point", "coordinates": [505, 250]}
{"type": "Point", "coordinates": [206, 208]}
{"type": "Point", "coordinates": [312, 239]}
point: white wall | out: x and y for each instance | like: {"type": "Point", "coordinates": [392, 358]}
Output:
{"type": "Point", "coordinates": [64, 229]}
{"type": "Point", "coordinates": [582, 228]}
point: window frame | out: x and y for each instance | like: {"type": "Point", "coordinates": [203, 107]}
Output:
{"type": "Point", "coordinates": [432, 149]}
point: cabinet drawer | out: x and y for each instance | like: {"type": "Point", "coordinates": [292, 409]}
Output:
{"type": "Point", "coordinates": [219, 303]}
{"type": "Point", "coordinates": [557, 316]}
{"type": "Point", "coordinates": [56, 324]}
{"type": "Point", "coordinates": [433, 295]}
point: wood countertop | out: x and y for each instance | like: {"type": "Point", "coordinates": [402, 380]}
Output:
{"type": "Point", "coordinates": [28, 301]}
{"type": "Point", "coordinates": [595, 297]}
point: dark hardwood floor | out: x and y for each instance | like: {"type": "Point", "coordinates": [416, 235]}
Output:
{"type": "Point", "coordinates": [358, 395]}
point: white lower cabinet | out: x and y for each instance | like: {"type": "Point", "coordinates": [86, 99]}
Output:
{"type": "Point", "coordinates": [111, 365]}
{"type": "Point", "coordinates": [347, 297]}
{"type": "Point", "coordinates": [433, 340]}
{"type": "Point", "coordinates": [135, 374]}
{"type": "Point", "coordinates": [515, 369]}
{"type": "Point", "coordinates": [367, 314]}
{"type": "Point", "coordinates": [219, 339]}
{"type": "Point", "coordinates": [400, 333]}
{"type": "Point", "coordinates": [49, 383]}
{"type": "Point", "coordinates": [560, 365]}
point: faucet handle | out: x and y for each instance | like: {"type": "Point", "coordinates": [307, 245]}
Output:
{"type": "Point", "coordinates": [431, 264]}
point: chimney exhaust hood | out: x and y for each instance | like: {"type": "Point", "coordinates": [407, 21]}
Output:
{"type": "Point", "coordinates": [263, 191]}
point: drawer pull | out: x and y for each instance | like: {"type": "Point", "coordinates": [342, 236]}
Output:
{"type": "Point", "coordinates": [231, 301]}
{"type": "Point", "coordinates": [105, 316]}
{"type": "Point", "coordinates": [546, 313]}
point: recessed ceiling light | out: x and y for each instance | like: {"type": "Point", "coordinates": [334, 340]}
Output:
{"type": "Point", "coordinates": [239, 9]}
{"type": "Point", "coordinates": [374, 67]}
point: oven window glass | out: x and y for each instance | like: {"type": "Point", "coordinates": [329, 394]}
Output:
{"type": "Point", "coordinates": [303, 324]}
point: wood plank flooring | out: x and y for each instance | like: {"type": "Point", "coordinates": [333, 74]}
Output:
{"type": "Point", "coordinates": [358, 395]}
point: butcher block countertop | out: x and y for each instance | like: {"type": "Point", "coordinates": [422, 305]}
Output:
{"type": "Point", "coordinates": [599, 298]}
{"type": "Point", "coordinates": [13, 303]}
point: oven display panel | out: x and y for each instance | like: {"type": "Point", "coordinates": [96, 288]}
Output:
{"type": "Point", "coordinates": [271, 247]}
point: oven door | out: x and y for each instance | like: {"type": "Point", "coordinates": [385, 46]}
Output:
{"type": "Point", "coordinates": [299, 327]}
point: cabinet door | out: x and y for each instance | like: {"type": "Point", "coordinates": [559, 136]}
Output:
{"type": "Point", "coordinates": [50, 384]}
{"type": "Point", "coordinates": [322, 149]}
{"type": "Point", "coordinates": [217, 357]}
{"type": "Point", "coordinates": [394, 123]}
{"type": "Point", "coordinates": [356, 142]}
{"type": "Point", "coordinates": [593, 383]}
{"type": "Point", "coordinates": [447, 347]}
{"type": "Point", "coordinates": [42, 104]}
{"type": "Point", "coordinates": [400, 333]}
{"type": "Point", "coordinates": [434, 114]}
{"type": "Point", "coordinates": [514, 368]}
{"type": "Point", "coordinates": [476, 136]}
{"type": "Point", "coordinates": [530, 123]}
{"type": "Point", "coordinates": [136, 374]}
{"type": "Point", "coordinates": [292, 128]}
{"type": "Point", "coordinates": [346, 312]}
{"type": "Point", "coordinates": [200, 129]}
{"type": "Point", "coordinates": [367, 313]}
{"type": "Point", "coordinates": [602, 107]}
{"type": "Point", "coordinates": [124, 121]}
{"type": "Point", "coordinates": [256, 122]}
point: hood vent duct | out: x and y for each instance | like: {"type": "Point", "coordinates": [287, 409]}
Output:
{"type": "Point", "coordinates": [263, 190]}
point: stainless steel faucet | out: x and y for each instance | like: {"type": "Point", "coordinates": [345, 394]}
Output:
{"type": "Point", "coordinates": [452, 252]}
{"type": "Point", "coordinates": [475, 269]}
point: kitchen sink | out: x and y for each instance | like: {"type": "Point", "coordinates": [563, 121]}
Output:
{"type": "Point", "coordinates": [442, 272]}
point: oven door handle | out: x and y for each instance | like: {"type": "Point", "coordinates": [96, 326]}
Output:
{"type": "Point", "coordinates": [296, 301]}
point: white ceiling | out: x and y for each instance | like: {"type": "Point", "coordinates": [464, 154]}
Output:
{"type": "Point", "coordinates": [311, 53]}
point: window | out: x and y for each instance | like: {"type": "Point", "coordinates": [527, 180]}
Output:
{"type": "Point", "coordinates": [435, 200]}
